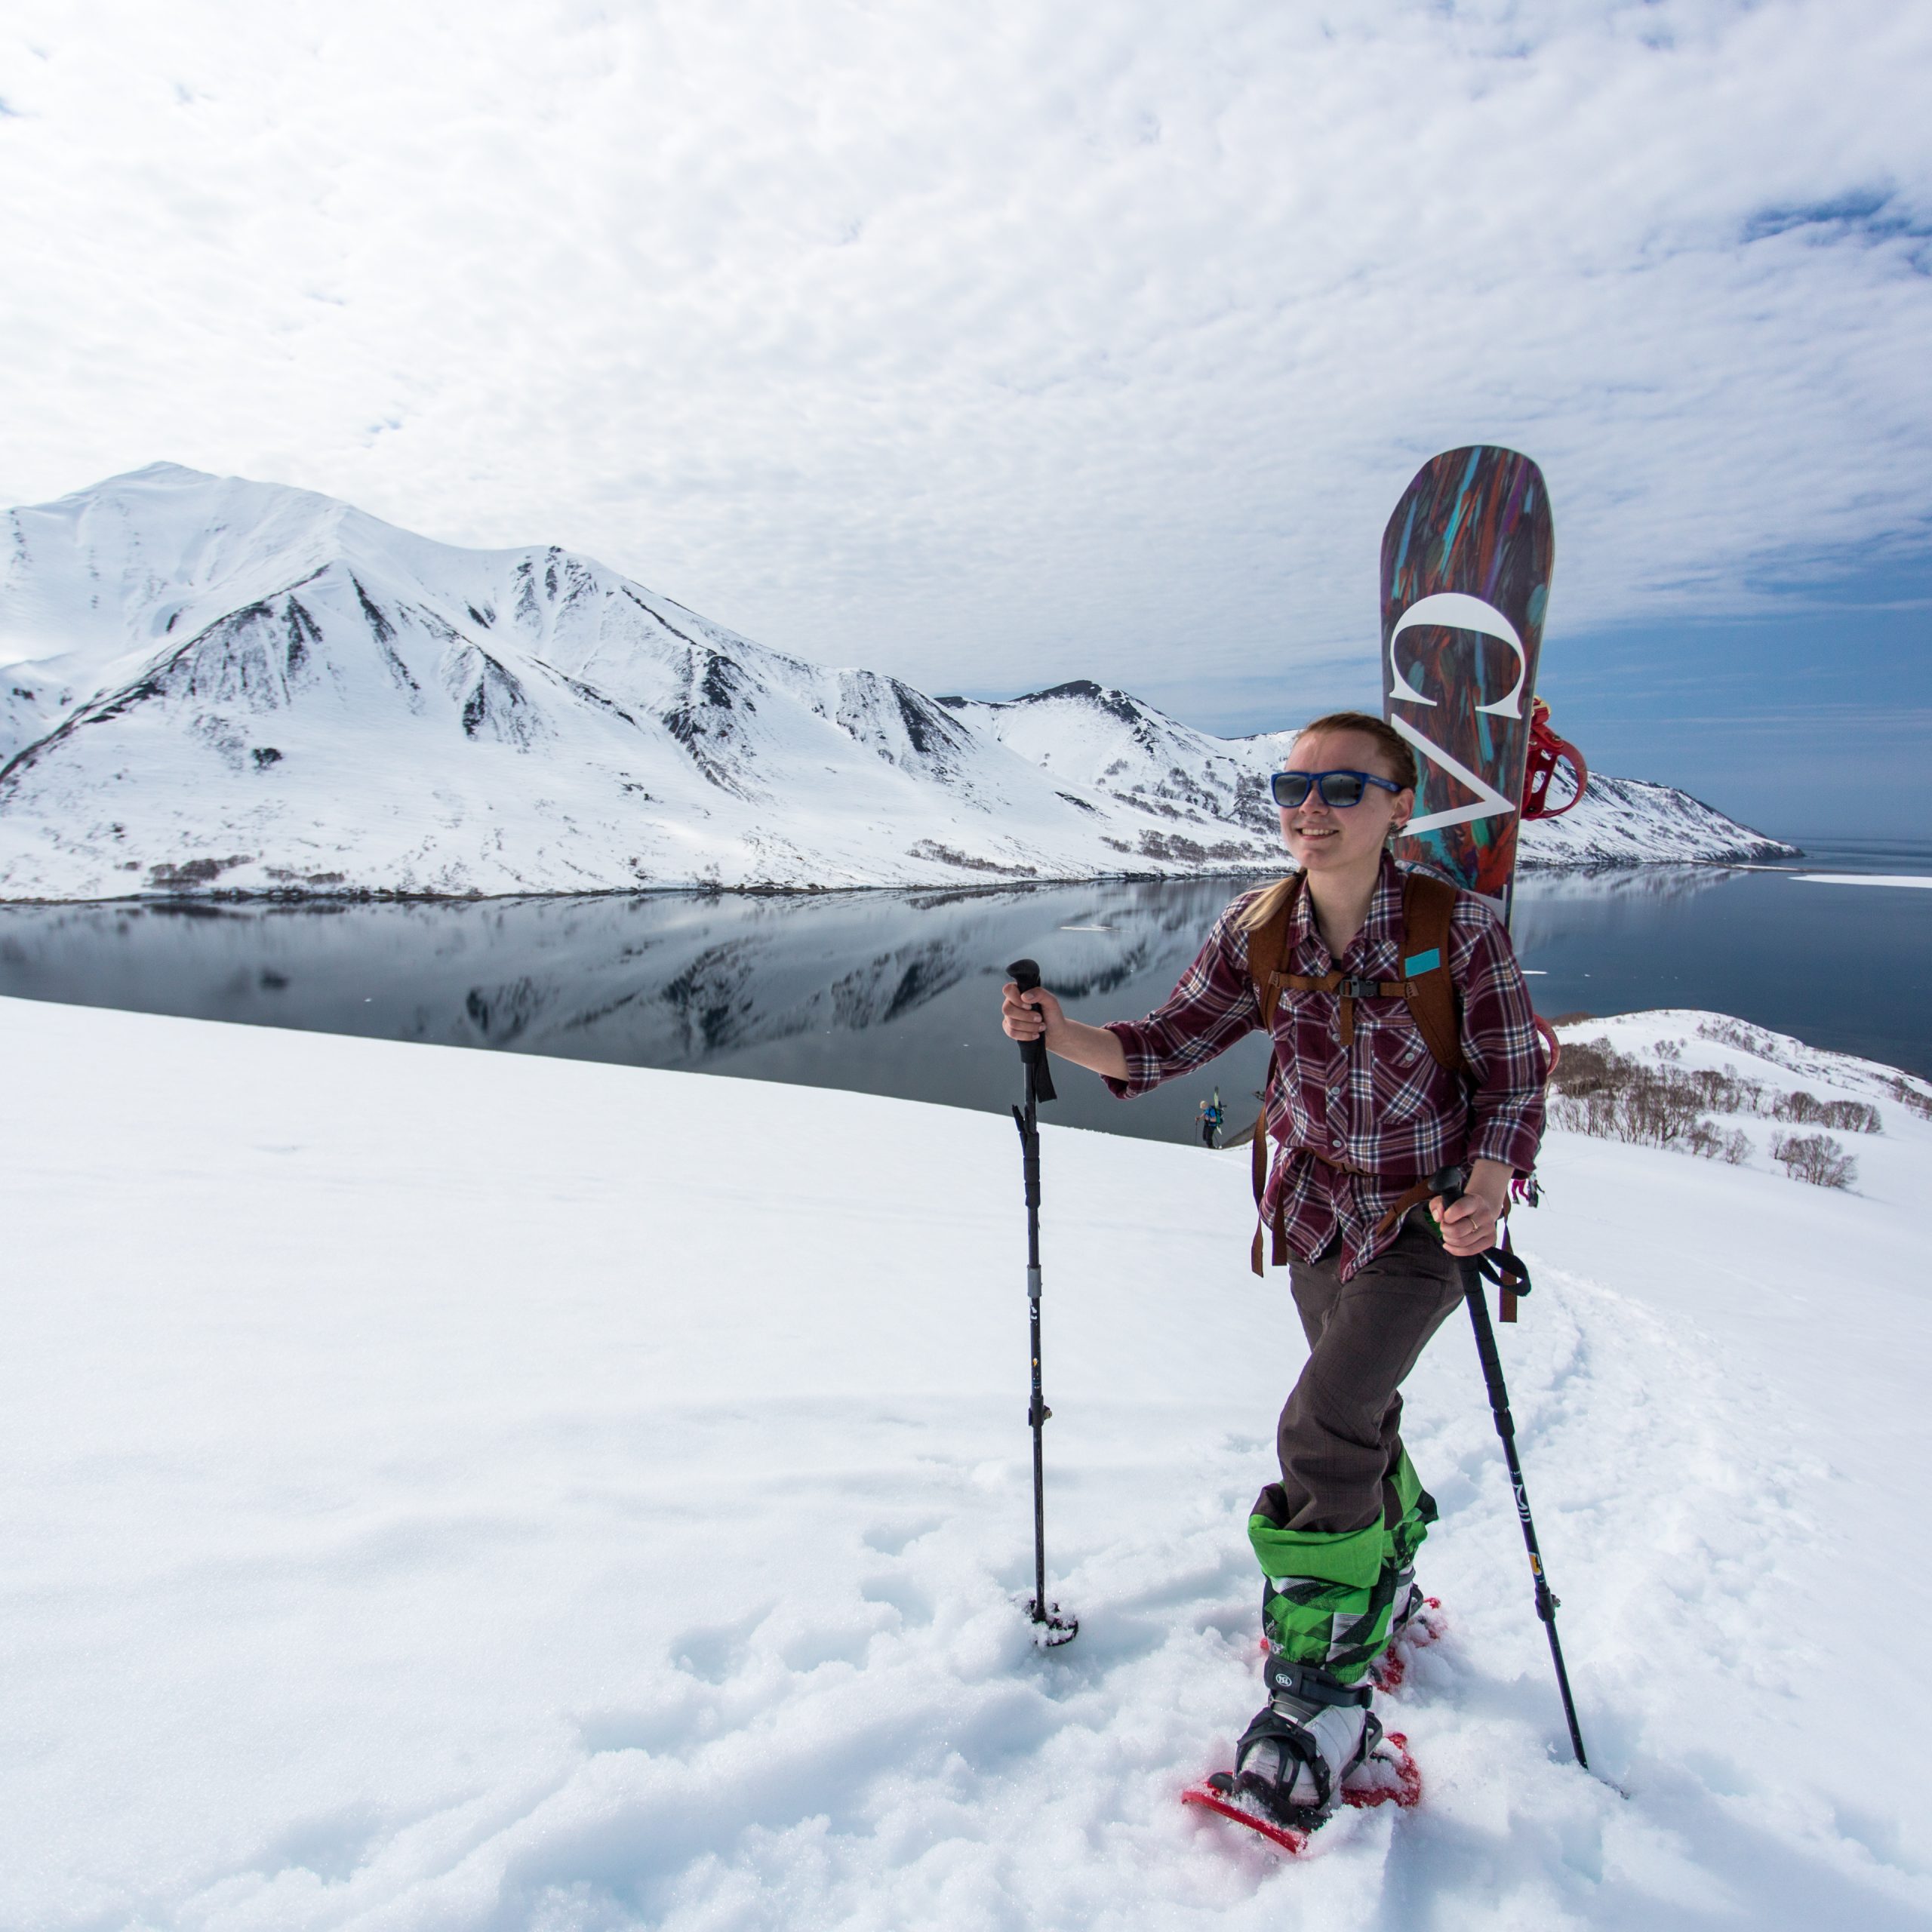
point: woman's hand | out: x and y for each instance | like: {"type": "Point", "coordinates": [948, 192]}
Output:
{"type": "Point", "coordinates": [1472, 1225]}
{"type": "Point", "coordinates": [1030, 1016]}
{"type": "Point", "coordinates": [1036, 1015]}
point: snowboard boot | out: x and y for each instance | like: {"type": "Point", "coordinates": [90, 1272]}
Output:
{"type": "Point", "coordinates": [1311, 1732]}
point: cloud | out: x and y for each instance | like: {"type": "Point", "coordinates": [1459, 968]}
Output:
{"type": "Point", "coordinates": [991, 347]}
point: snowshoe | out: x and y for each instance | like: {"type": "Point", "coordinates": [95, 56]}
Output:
{"type": "Point", "coordinates": [1387, 1775]}
{"type": "Point", "coordinates": [1313, 1744]}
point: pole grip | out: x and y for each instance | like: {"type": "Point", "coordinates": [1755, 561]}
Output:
{"type": "Point", "coordinates": [1447, 1181]}
{"type": "Point", "coordinates": [1025, 974]}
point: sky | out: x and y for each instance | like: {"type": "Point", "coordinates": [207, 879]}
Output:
{"type": "Point", "coordinates": [999, 345]}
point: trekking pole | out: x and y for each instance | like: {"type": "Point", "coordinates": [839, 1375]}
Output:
{"type": "Point", "coordinates": [1449, 1184]}
{"type": "Point", "coordinates": [1053, 1629]}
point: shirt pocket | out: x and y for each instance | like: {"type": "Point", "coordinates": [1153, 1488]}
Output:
{"type": "Point", "coordinates": [1401, 1071]}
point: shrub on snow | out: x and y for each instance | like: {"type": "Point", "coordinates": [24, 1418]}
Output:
{"type": "Point", "coordinates": [1848, 1116]}
{"type": "Point", "coordinates": [1815, 1158]}
{"type": "Point", "coordinates": [1616, 1096]}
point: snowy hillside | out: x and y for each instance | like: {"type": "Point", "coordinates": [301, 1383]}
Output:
{"type": "Point", "coordinates": [1107, 741]}
{"type": "Point", "coordinates": [211, 685]}
{"type": "Point", "coordinates": [1624, 822]}
{"type": "Point", "coordinates": [375, 1556]}
{"type": "Point", "coordinates": [1110, 744]}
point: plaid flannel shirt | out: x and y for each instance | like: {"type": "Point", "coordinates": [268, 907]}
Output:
{"type": "Point", "coordinates": [1383, 1107]}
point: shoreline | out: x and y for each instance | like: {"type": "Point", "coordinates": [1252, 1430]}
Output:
{"type": "Point", "coordinates": [380, 895]}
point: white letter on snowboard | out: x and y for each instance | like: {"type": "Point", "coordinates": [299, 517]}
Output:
{"type": "Point", "coordinates": [1456, 610]}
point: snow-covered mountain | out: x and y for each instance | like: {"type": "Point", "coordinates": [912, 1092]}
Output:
{"type": "Point", "coordinates": [1109, 744]}
{"type": "Point", "coordinates": [214, 685]}
{"type": "Point", "coordinates": [1625, 822]}
{"type": "Point", "coordinates": [1105, 743]}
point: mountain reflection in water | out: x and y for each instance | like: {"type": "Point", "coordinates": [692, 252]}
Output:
{"type": "Point", "coordinates": [885, 992]}
{"type": "Point", "coordinates": [898, 993]}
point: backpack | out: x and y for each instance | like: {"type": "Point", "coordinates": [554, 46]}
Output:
{"type": "Point", "coordinates": [1428, 902]}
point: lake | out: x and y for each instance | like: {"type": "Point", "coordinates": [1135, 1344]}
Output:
{"type": "Point", "coordinates": [898, 993]}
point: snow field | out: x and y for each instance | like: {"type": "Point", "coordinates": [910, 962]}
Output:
{"type": "Point", "coordinates": [451, 1490]}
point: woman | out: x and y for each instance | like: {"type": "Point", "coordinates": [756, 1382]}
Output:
{"type": "Point", "coordinates": [1357, 1110]}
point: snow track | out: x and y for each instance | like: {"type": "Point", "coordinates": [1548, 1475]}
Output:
{"type": "Point", "coordinates": [465, 1491]}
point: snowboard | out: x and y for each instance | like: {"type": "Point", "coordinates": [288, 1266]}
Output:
{"type": "Point", "coordinates": [1389, 1776]}
{"type": "Point", "coordinates": [1466, 569]}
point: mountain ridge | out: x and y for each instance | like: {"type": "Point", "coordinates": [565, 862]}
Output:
{"type": "Point", "coordinates": [212, 685]}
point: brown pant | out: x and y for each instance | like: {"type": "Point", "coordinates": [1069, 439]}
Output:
{"type": "Point", "coordinates": [1338, 1436]}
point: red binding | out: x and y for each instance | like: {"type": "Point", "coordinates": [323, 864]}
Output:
{"type": "Point", "coordinates": [1547, 750]}
{"type": "Point", "coordinates": [1546, 1033]}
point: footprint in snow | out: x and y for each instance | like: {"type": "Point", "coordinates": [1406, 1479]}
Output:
{"type": "Point", "coordinates": [895, 1538]}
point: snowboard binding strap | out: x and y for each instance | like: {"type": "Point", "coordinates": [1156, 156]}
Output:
{"type": "Point", "coordinates": [1308, 1683]}
{"type": "Point", "coordinates": [1547, 750]}
{"type": "Point", "coordinates": [1297, 1749]}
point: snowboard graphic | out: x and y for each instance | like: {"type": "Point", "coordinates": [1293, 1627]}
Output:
{"type": "Point", "coordinates": [1466, 565]}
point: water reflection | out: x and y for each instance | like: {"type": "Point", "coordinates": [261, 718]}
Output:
{"type": "Point", "coordinates": [1826, 963]}
{"type": "Point", "coordinates": [895, 992]}
{"type": "Point", "coordinates": [887, 993]}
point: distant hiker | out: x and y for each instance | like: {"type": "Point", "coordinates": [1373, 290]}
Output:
{"type": "Point", "coordinates": [1396, 1053]}
{"type": "Point", "coordinates": [1213, 1115]}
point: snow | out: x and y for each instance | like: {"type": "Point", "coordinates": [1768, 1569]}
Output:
{"type": "Point", "coordinates": [1918, 880]}
{"type": "Point", "coordinates": [452, 1490]}
{"type": "Point", "coordinates": [216, 686]}
{"type": "Point", "coordinates": [1625, 822]}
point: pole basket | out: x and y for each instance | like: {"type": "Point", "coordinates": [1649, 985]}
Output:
{"type": "Point", "coordinates": [1051, 1627]}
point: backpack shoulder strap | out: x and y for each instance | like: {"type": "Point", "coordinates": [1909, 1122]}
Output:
{"type": "Point", "coordinates": [1428, 905]}
{"type": "Point", "coordinates": [1267, 949]}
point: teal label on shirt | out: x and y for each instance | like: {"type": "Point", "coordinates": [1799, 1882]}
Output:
{"type": "Point", "coordinates": [1422, 962]}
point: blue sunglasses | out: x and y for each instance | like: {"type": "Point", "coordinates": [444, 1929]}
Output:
{"type": "Point", "coordinates": [1337, 787]}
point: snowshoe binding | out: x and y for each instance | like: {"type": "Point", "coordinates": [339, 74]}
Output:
{"type": "Point", "coordinates": [1315, 1743]}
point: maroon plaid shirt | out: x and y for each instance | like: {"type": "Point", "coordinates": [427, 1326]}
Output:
{"type": "Point", "coordinates": [1382, 1106]}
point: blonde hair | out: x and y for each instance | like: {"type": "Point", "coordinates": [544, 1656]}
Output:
{"type": "Point", "coordinates": [1266, 903]}
{"type": "Point", "coordinates": [1398, 763]}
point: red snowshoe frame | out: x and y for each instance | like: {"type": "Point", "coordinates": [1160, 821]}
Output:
{"type": "Point", "coordinates": [1398, 1783]}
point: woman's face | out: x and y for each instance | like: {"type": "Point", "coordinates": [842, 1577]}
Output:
{"type": "Point", "coordinates": [1327, 838]}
